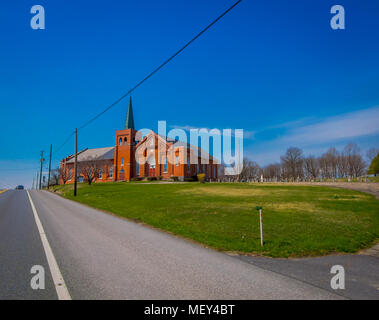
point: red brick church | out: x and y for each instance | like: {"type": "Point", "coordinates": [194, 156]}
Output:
{"type": "Point", "coordinates": [159, 157]}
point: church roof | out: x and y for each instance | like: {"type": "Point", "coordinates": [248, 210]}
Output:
{"type": "Point", "coordinates": [94, 154]}
{"type": "Point", "coordinates": [129, 122]}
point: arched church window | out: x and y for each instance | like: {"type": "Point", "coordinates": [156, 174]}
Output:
{"type": "Point", "coordinates": [165, 167]}
{"type": "Point", "coordinates": [122, 161]}
{"type": "Point", "coordinates": [125, 141]}
{"type": "Point", "coordinates": [151, 161]}
{"type": "Point", "coordinates": [120, 141]}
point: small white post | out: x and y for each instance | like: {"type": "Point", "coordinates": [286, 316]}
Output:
{"type": "Point", "coordinates": [259, 208]}
{"type": "Point", "coordinates": [260, 222]}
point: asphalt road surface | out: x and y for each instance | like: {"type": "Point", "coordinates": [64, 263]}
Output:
{"type": "Point", "coordinates": [361, 272]}
{"type": "Point", "coordinates": [20, 249]}
{"type": "Point", "coordinates": [101, 256]}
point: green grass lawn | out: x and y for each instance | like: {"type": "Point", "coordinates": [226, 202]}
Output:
{"type": "Point", "coordinates": [297, 220]}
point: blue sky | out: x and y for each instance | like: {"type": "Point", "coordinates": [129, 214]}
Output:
{"type": "Point", "coordinates": [273, 68]}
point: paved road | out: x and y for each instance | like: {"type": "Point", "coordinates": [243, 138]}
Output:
{"type": "Point", "coordinates": [105, 257]}
{"type": "Point", "coordinates": [20, 249]}
{"type": "Point", "coordinates": [361, 272]}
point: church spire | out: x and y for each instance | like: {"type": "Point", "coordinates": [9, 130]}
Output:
{"type": "Point", "coordinates": [129, 123]}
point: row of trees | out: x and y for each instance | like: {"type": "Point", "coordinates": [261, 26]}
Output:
{"type": "Point", "coordinates": [90, 170]}
{"type": "Point", "coordinates": [331, 165]}
{"type": "Point", "coordinates": [294, 166]}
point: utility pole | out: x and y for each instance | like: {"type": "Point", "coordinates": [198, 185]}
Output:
{"type": "Point", "coordinates": [40, 172]}
{"type": "Point", "coordinates": [76, 162]}
{"type": "Point", "coordinates": [37, 180]}
{"type": "Point", "coordinates": [48, 179]}
{"type": "Point", "coordinates": [33, 183]}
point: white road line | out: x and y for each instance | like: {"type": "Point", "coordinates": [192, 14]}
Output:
{"type": "Point", "coordinates": [60, 285]}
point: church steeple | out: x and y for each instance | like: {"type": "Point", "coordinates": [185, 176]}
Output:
{"type": "Point", "coordinates": [129, 122]}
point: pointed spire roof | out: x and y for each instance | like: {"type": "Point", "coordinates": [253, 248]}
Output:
{"type": "Point", "coordinates": [129, 122]}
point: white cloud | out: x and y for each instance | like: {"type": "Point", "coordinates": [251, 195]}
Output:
{"type": "Point", "coordinates": [289, 124]}
{"type": "Point", "coordinates": [315, 138]}
{"type": "Point", "coordinates": [346, 126]}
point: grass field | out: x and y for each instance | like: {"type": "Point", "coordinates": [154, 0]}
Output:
{"type": "Point", "coordinates": [297, 220]}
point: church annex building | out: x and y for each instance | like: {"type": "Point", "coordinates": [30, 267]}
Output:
{"type": "Point", "coordinates": [158, 157]}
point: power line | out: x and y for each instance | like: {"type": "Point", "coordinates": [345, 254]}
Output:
{"type": "Point", "coordinates": [64, 143]}
{"type": "Point", "coordinates": [160, 66]}
{"type": "Point", "coordinates": [147, 77]}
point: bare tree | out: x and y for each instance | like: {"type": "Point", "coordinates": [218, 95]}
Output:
{"type": "Point", "coordinates": [329, 163]}
{"type": "Point", "coordinates": [250, 171]}
{"type": "Point", "coordinates": [354, 160]}
{"type": "Point", "coordinates": [359, 166]}
{"type": "Point", "coordinates": [323, 165]}
{"type": "Point", "coordinates": [254, 171]}
{"type": "Point", "coordinates": [342, 165]}
{"type": "Point", "coordinates": [311, 167]}
{"type": "Point", "coordinates": [273, 172]}
{"type": "Point", "coordinates": [332, 160]}
{"type": "Point", "coordinates": [54, 177]}
{"type": "Point", "coordinates": [63, 174]}
{"type": "Point", "coordinates": [292, 163]}
{"type": "Point", "coordinates": [91, 168]}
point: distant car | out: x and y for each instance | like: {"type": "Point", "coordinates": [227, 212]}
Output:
{"type": "Point", "coordinates": [20, 187]}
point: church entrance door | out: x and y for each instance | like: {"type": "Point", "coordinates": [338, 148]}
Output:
{"type": "Point", "coordinates": [122, 175]}
{"type": "Point", "coordinates": [152, 171]}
